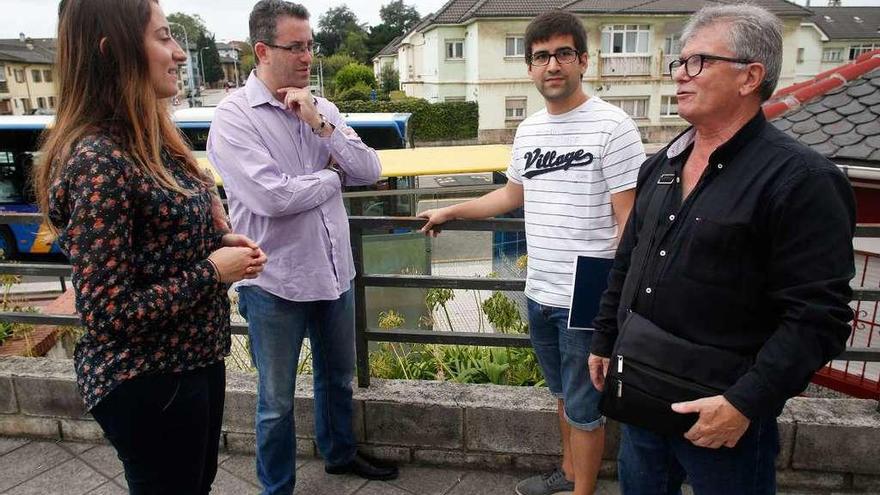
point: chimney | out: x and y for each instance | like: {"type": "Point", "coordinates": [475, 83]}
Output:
{"type": "Point", "coordinates": [21, 37]}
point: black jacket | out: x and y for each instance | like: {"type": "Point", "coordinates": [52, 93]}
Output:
{"type": "Point", "coordinates": [757, 260]}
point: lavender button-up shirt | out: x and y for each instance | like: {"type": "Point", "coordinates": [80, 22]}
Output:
{"type": "Point", "coordinates": [281, 193]}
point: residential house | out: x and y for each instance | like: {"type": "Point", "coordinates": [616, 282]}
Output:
{"type": "Point", "coordinates": [230, 61]}
{"type": "Point", "coordinates": [834, 36]}
{"type": "Point", "coordinates": [27, 76]}
{"type": "Point", "coordinates": [474, 50]}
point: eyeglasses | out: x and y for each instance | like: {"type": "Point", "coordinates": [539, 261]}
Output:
{"type": "Point", "coordinates": [562, 56]}
{"type": "Point", "coordinates": [296, 47]}
{"type": "Point", "coordinates": [693, 65]}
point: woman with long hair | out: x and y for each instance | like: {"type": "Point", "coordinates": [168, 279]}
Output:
{"type": "Point", "coordinates": [148, 242]}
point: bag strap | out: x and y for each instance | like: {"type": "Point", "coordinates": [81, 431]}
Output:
{"type": "Point", "coordinates": [665, 183]}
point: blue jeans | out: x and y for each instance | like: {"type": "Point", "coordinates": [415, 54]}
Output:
{"type": "Point", "coordinates": [653, 464]}
{"type": "Point", "coordinates": [562, 354]}
{"type": "Point", "coordinates": [277, 327]}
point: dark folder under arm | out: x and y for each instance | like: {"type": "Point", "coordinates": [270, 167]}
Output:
{"type": "Point", "coordinates": [589, 282]}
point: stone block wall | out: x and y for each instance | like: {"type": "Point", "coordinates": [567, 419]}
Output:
{"type": "Point", "coordinates": [826, 444]}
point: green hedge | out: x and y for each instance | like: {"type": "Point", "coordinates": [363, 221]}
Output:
{"type": "Point", "coordinates": [429, 121]}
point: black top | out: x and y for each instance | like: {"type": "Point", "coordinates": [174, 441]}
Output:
{"type": "Point", "coordinates": [149, 299]}
{"type": "Point", "coordinates": [756, 260]}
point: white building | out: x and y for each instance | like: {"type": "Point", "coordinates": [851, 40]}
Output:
{"type": "Point", "coordinates": [835, 36]}
{"type": "Point", "coordinates": [474, 50]}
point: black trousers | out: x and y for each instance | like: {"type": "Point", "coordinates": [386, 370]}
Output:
{"type": "Point", "coordinates": [166, 429]}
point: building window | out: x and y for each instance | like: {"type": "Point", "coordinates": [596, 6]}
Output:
{"type": "Point", "coordinates": [832, 55]}
{"type": "Point", "coordinates": [515, 108]}
{"type": "Point", "coordinates": [26, 105]}
{"type": "Point", "coordinates": [454, 99]}
{"type": "Point", "coordinates": [637, 108]}
{"type": "Point", "coordinates": [672, 45]}
{"type": "Point", "coordinates": [455, 50]}
{"type": "Point", "coordinates": [47, 75]}
{"type": "Point", "coordinates": [669, 106]}
{"type": "Point", "coordinates": [51, 102]}
{"type": "Point", "coordinates": [856, 50]}
{"type": "Point", "coordinates": [514, 46]}
{"type": "Point", "coordinates": [41, 102]}
{"type": "Point", "coordinates": [800, 56]}
{"type": "Point", "coordinates": [19, 75]}
{"type": "Point", "coordinates": [37, 76]}
{"type": "Point", "coordinates": [625, 38]}
{"type": "Point", "coordinates": [4, 86]}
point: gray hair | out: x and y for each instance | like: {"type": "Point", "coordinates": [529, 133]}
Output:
{"type": "Point", "coordinates": [264, 18]}
{"type": "Point", "coordinates": [755, 34]}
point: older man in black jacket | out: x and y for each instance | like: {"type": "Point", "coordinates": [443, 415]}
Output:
{"type": "Point", "coordinates": [740, 243]}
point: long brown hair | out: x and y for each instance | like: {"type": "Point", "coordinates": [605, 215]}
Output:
{"type": "Point", "coordinates": [108, 85]}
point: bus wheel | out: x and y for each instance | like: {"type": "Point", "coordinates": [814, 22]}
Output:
{"type": "Point", "coordinates": [7, 244]}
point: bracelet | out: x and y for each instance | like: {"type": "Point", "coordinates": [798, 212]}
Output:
{"type": "Point", "coordinates": [216, 270]}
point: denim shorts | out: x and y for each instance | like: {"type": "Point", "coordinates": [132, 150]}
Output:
{"type": "Point", "coordinates": [562, 354]}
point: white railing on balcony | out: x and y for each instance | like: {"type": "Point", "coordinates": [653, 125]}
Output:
{"type": "Point", "coordinates": [625, 65]}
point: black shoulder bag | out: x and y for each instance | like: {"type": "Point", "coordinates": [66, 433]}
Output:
{"type": "Point", "coordinates": [651, 369]}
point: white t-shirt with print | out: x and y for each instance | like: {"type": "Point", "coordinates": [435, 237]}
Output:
{"type": "Point", "coordinates": [569, 165]}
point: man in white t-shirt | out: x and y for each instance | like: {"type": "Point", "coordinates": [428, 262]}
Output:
{"type": "Point", "coordinates": [574, 169]}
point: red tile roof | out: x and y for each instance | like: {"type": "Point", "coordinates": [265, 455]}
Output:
{"type": "Point", "coordinates": [794, 96]}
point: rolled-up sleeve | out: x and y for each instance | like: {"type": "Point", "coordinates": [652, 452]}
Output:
{"type": "Point", "coordinates": [359, 161]}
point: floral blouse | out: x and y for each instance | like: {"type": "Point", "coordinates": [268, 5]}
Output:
{"type": "Point", "coordinates": [150, 300]}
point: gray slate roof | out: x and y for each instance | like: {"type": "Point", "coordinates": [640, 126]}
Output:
{"type": "Point", "coordinates": [843, 124]}
{"type": "Point", "coordinates": [458, 11]}
{"type": "Point", "coordinates": [390, 48]}
{"type": "Point", "coordinates": [840, 23]}
{"type": "Point", "coordinates": [14, 50]}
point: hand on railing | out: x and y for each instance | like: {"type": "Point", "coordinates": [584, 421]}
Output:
{"type": "Point", "coordinates": [435, 217]}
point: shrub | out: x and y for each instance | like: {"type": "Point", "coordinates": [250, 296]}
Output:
{"type": "Point", "coordinates": [353, 74]}
{"type": "Point", "coordinates": [429, 121]}
{"type": "Point", "coordinates": [359, 91]}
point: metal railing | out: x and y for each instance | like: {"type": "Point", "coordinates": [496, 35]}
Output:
{"type": "Point", "coordinates": [365, 333]}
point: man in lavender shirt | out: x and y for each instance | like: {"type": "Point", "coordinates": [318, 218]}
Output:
{"type": "Point", "coordinates": [284, 156]}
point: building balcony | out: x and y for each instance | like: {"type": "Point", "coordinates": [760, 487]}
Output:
{"type": "Point", "coordinates": [618, 65]}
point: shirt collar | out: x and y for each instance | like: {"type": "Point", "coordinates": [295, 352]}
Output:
{"type": "Point", "coordinates": [684, 140]}
{"type": "Point", "coordinates": [257, 93]}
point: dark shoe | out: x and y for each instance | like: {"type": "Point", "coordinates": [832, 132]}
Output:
{"type": "Point", "coordinates": [365, 468]}
{"type": "Point", "coordinates": [545, 484]}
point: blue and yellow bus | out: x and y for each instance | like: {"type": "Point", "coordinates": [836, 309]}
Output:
{"type": "Point", "coordinates": [402, 166]}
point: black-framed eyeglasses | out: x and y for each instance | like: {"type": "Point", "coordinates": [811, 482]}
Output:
{"type": "Point", "coordinates": [562, 56]}
{"type": "Point", "coordinates": [693, 65]}
{"type": "Point", "coordinates": [296, 47]}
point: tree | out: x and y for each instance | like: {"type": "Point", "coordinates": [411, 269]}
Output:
{"type": "Point", "coordinates": [355, 46]}
{"type": "Point", "coordinates": [399, 17]}
{"type": "Point", "coordinates": [389, 79]}
{"type": "Point", "coordinates": [210, 58]}
{"type": "Point", "coordinates": [352, 74]}
{"type": "Point", "coordinates": [248, 61]}
{"type": "Point", "coordinates": [194, 25]}
{"type": "Point", "coordinates": [334, 25]}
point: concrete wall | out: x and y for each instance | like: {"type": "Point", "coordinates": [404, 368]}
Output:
{"type": "Point", "coordinates": [827, 444]}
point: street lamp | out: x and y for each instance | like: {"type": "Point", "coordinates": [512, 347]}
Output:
{"type": "Point", "coordinates": [202, 64]}
{"type": "Point", "coordinates": [189, 70]}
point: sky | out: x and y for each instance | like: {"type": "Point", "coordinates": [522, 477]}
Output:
{"type": "Point", "coordinates": [227, 19]}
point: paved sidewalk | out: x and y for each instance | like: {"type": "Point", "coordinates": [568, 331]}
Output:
{"type": "Point", "coordinates": [47, 467]}
{"type": "Point", "coordinates": [50, 467]}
